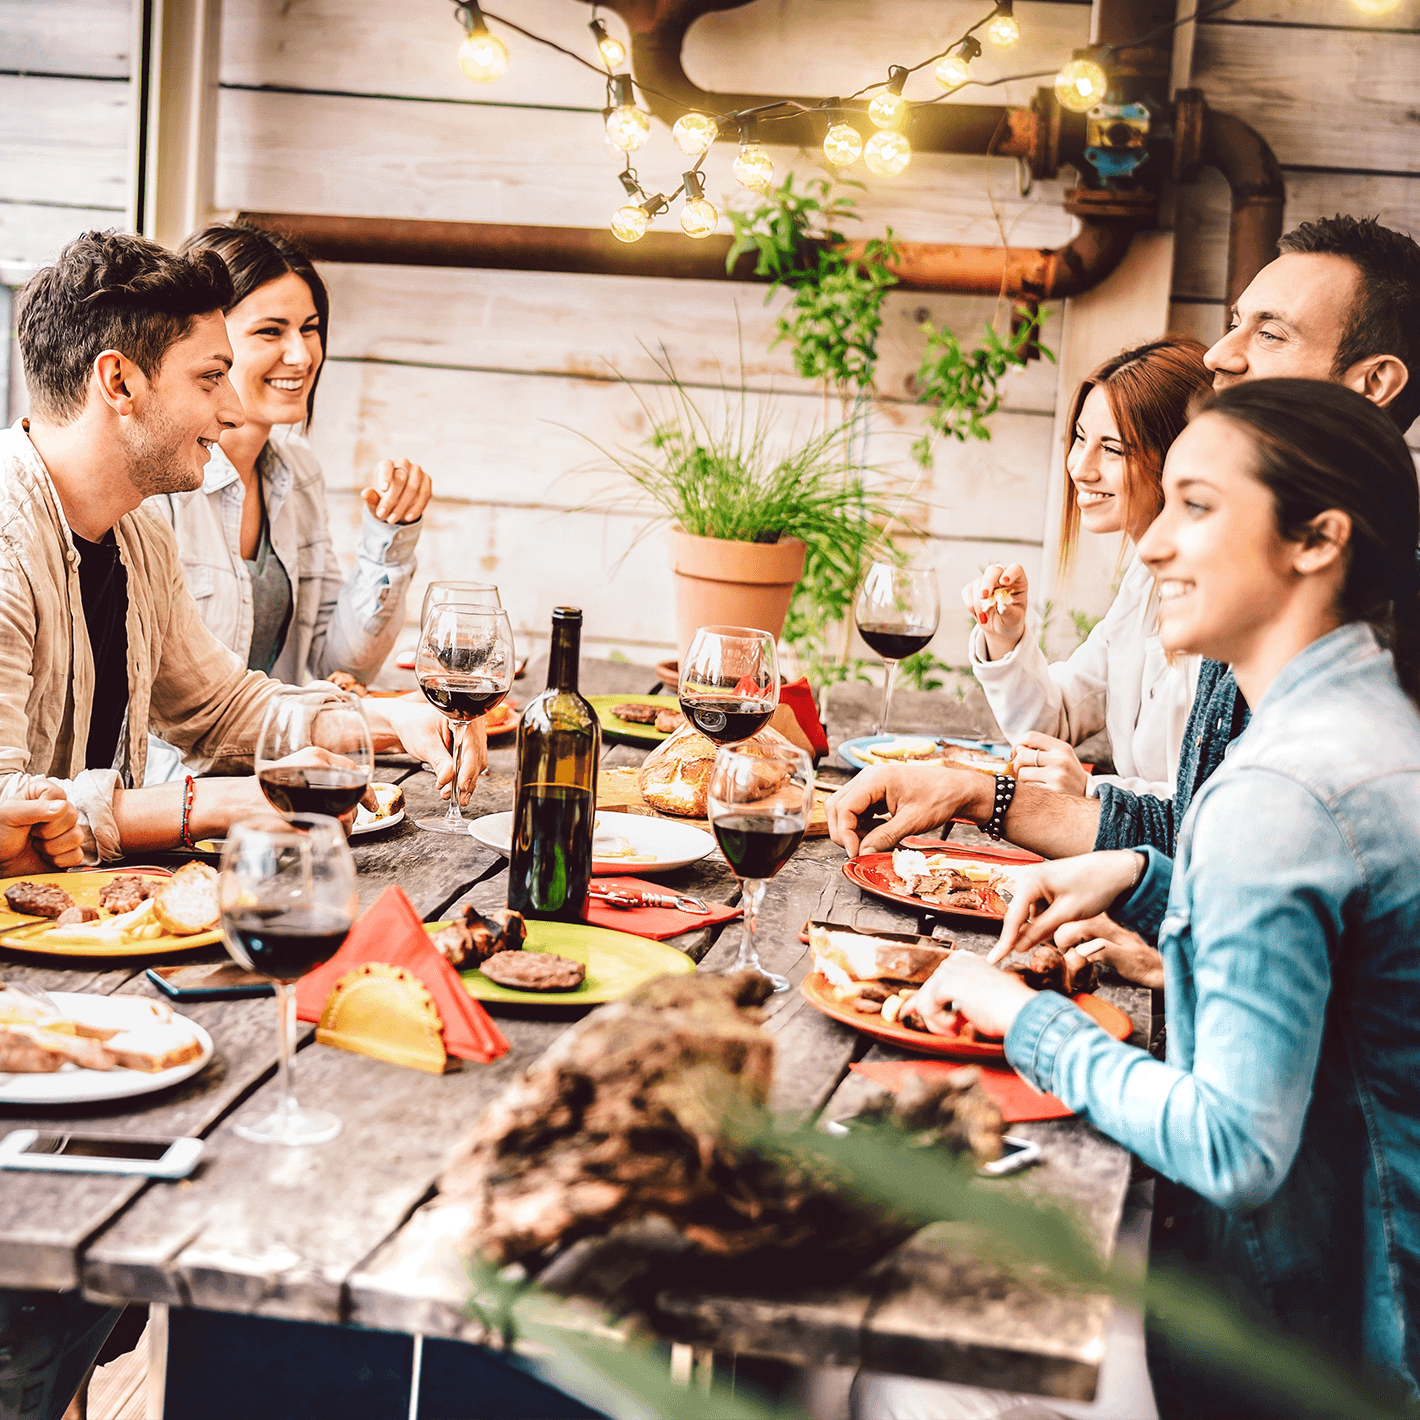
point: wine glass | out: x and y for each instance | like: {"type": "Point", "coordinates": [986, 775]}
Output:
{"type": "Point", "coordinates": [729, 682]}
{"type": "Point", "coordinates": [897, 613]}
{"type": "Point", "coordinates": [759, 806]}
{"type": "Point", "coordinates": [288, 896]}
{"type": "Point", "coordinates": [473, 593]}
{"type": "Point", "coordinates": [314, 754]}
{"type": "Point", "coordinates": [464, 666]}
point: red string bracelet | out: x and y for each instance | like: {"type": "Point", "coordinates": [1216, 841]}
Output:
{"type": "Point", "coordinates": [188, 790]}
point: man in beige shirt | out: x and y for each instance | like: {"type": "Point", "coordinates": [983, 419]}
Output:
{"type": "Point", "coordinates": [126, 359]}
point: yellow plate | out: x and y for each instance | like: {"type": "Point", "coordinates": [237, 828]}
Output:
{"type": "Point", "coordinates": [617, 963]}
{"type": "Point", "coordinates": [24, 934]}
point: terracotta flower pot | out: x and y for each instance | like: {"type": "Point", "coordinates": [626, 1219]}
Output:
{"type": "Point", "coordinates": [719, 582]}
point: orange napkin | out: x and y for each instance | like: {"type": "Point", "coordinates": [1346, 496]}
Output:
{"type": "Point", "coordinates": [658, 923]}
{"type": "Point", "coordinates": [1017, 1100]}
{"type": "Point", "coordinates": [800, 699]}
{"type": "Point", "coordinates": [391, 933]}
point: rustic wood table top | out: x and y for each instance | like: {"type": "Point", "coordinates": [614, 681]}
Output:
{"type": "Point", "coordinates": [347, 1231]}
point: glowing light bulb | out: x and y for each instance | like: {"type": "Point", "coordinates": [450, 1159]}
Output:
{"type": "Point", "coordinates": [698, 218]}
{"type": "Point", "coordinates": [753, 168]}
{"type": "Point", "coordinates": [887, 153]}
{"type": "Point", "coordinates": [952, 72]}
{"type": "Point", "coordinates": [483, 57]}
{"type": "Point", "coordinates": [1080, 85]}
{"type": "Point", "coordinates": [629, 223]}
{"type": "Point", "coordinates": [612, 51]}
{"type": "Point", "coordinates": [843, 146]}
{"type": "Point", "coordinates": [1003, 30]}
{"type": "Point", "coordinates": [888, 109]}
{"type": "Point", "coordinates": [627, 128]}
{"type": "Point", "coordinates": [1375, 7]}
{"type": "Point", "coordinates": [694, 133]}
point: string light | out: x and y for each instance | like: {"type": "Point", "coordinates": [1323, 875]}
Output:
{"type": "Point", "coordinates": [753, 167]}
{"type": "Point", "coordinates": [955, 69]}
{"type": "Point", "coordinates": [698, 218]}
{"type": "Point", "coordinates": [483, 57]}
{"type": "Point", "coordinates": [694, 133]}
{"type": "Point", "coordinates": [1080, 85]}
{"type": "Point", "coordinates": [843, 145]}
{"type": "Point", "coordinates": [627, 127]}
{"type": "Point", "coordinates": [1002, 28]}
{"type": "Point", "coordinates": [1375, 7]}
{"type": "Point", "coordinates": [629, 223]}
{"type": "Point", "coordinates": [887, 153]}
{"type": "Point", "coordinates": [612, 51]}
{"type": "Point", "coordinates": [889, 108]}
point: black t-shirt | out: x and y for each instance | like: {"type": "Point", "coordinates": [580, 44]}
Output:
{"type": "Point", "coordinates": [103, 584]}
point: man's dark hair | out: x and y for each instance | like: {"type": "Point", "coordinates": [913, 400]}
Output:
{"type": "Point", "coordinates": [1386, 317]}
{"type": "Point", "coordinates": [109, 291]}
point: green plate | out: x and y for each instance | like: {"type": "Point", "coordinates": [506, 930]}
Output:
{"type": "Point", "coordinates": [626, 731]}
{"type": "Point", "coordinates": [617, 963]}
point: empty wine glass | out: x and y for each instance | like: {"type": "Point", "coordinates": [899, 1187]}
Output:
{"type": "Point", "coordinates": [464, 666]}
{"type": "Point", "coordinates": [472, 593]}
{"type": "Point", "coordinates": [759, 806]}
{"type": "Point", "coordinates": [897, 612]}
{"type": "Point", "coordinates": [313, 753]}
{"type": "Point", "coordinates": [288, 897]}
{"type": "Point", "coordinates": [729, 682]}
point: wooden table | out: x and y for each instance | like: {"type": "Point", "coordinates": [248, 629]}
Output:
{"type": "Point", "coordinates": [337, 1233]}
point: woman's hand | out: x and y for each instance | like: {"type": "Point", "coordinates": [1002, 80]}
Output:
{"type": "Point", "coordinates": [1104, 940]}
{"type": "Point", "coordinates": [918, 798]}
{"type": "Point", "coordinates": [410, 722]}
{"type": "Point", "coordinates": [1068, 890]}
{"type": "Point", "coordinates": [1051, 763]}
{"type": "Point", "coordinates": [989, 998]}
{"type": "Point", "coordinates": [400, 493]}
{"type": "Point", "coordinates": [39, 831]}
{"type": "Point", "coordinates": [1001, 624]}
{"type": "Point", "coordinates": [473, 760]}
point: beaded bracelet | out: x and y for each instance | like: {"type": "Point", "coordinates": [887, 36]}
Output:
{"type": "Point", "coordinates": [995, 826]}
{"type": "Point", "coordinates": [189, 788]}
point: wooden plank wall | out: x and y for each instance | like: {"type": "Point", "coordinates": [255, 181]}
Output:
{"type": "Point", "coordinates": [502, 383]}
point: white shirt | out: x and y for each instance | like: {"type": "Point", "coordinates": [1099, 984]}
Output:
{"type": "Point", "coordinates": [1119, 680]}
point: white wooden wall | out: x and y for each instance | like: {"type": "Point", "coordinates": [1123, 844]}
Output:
{"type": "Point", "coordinates": [497, 381]}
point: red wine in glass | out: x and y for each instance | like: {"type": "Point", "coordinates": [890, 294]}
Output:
{"type": "Point", "coordinates": [893, 642]}
{"type": "Point", "coordinates": [757, 845]}
{"type": "Point", "coordinates": [285, 943]}
{"type": "Point", "coordinates": [462, 698]}
{"type": "Point", "coordinates": [726, 720]}
{"type": "Point", "coordinates": [312, 789]}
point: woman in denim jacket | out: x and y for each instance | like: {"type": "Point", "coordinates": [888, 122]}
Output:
{"type": "Point", "coordinates": [1285, 1121]}
{"type": "Point", "coordinates": [255, 538]}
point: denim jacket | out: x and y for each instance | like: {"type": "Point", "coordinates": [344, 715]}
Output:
{"type": "Point", "coordinates": [1290, 1099]}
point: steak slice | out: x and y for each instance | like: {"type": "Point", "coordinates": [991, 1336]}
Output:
{"type": "Point", "coordinates": [534, 971]}
{"type": "Point", "coordinates": [126, 892]}
{"type": "Point", "coordinates": [38, 899]}
{"type": "Point", "coordinates": [637, 714]}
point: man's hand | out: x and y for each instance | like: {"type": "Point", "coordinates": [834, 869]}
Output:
{"type": "Point", "coordinates": [1070, 890]}
{"type": "Point", "coordinates": [1051, 763]}
{"type": "Point", "coordinates": [918, 798]}
{"type": "Point", "coordinates": [39, 831]}
{"type": "Point", "coordinates": [1106, 941]}
{"type": "Point", "coordinates": [400, 493]}
{"type": "Point", "coordinates": [989, 998]}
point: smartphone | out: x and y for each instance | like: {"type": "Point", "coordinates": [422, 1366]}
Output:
{"type": "Point", "coordinates": [208, 981]}
{"type": "Point", "coordinates": [1016, 1154]}
{"type": "Point", "coordinates": [54, 1152]}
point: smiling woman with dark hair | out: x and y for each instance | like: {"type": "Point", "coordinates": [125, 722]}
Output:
{"type": "Point", "coordinates": [1285, 1122]}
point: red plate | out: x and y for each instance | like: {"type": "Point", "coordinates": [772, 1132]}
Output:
{"type": "Point", "coordinates": [501, 719]}
{"type": "Point", "coordinates": [873, 873]}
{"type": "Point", "coordinates": [819, 994]}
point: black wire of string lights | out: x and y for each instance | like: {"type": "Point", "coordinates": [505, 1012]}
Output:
{"type": "Point", "coordinates": [1079, 84]}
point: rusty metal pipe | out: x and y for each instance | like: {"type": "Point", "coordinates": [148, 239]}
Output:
{"type": "Point", "coordinates": [1259, 195]}
{"type": "Point", "coordinates": [1026, 272]}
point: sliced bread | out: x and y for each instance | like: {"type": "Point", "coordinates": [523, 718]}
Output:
{"type": "Point", "coordinates": [187, 903]}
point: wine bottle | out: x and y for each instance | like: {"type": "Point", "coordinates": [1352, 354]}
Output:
{"type": "Point", "coordinates": [554, 809]}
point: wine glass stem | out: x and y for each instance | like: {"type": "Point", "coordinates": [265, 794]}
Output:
{"type": "Point", "coordinates": [455, 814]}
{"type": "Point", "coordinates": [752, 894]}
{"type": "Point", "coordinates": [286, 1030]}
{"type": "Point", "coordinates": [890, 667]}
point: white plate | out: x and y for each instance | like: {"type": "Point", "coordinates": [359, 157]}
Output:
{"type": "Point", "coordinates": [364, 824]}
{"type": "Point", "coordinates": [71, 1085]}
{"type": "Point", "coordinates": [666, 845]}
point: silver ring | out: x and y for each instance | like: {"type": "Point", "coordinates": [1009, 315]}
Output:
{"type": "Point", "coordinates": [1037, 759]}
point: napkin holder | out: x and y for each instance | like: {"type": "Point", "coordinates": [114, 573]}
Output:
{"type": "Point", "coordinates": [387, 1013]}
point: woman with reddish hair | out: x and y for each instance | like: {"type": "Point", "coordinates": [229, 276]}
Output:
{"type": "Point", "coordinates": [1123, 419]}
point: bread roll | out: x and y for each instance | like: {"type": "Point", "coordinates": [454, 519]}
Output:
{"type": "Point", "coordinates": [676, 775]}
{"type": "Point", "coordinates": [187, 903]}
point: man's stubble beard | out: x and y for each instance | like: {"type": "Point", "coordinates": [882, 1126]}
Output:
{"type": "Point", "coordinates": [157, 462]}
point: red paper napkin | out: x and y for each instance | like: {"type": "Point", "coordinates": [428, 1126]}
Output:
{"type": "Point", "coordinates": [798, 696]}
{"type": "Point", "coordinates": [657, 923]}
{"type": "Point", "coordinates": [391, 933]}
{"type": "Point", "coordinates": [1018, 1101]}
